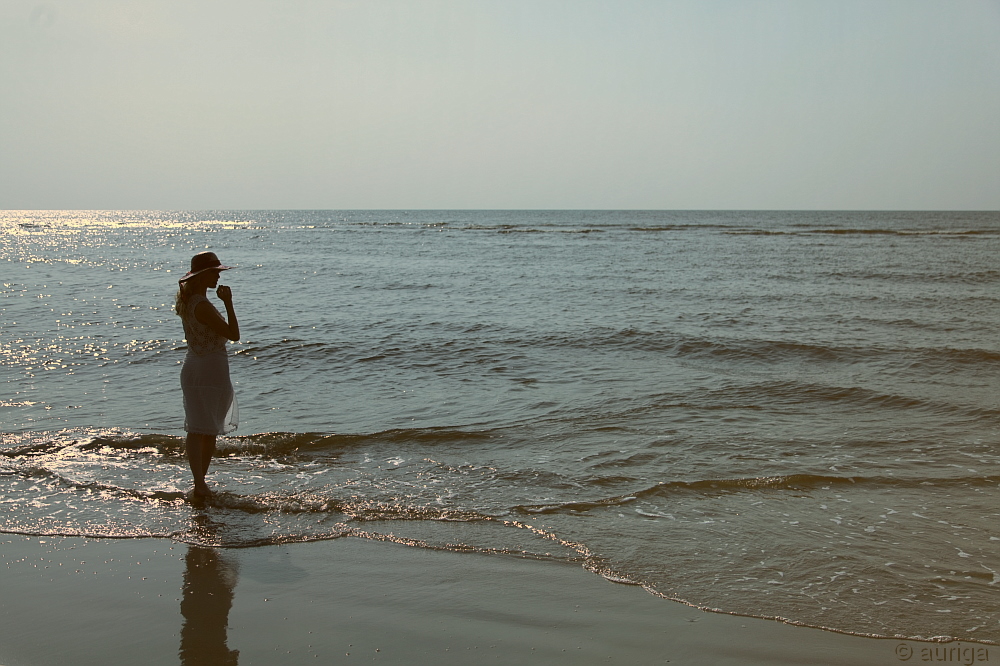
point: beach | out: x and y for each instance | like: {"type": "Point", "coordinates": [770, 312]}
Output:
{"type": "Point", "coordinates": [522, 332]}
{"type": "Point", "coordinates": [88, 601]}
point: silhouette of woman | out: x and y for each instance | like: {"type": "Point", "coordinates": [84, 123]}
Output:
{"type": "Point", "coordinates": [209, 400]}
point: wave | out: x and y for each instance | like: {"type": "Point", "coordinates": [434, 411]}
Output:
{"type": "Point", "coordinates": [680, 346]}
{"type": "Point", "coordinates": [967, 277]}
{"type": "Point", "coordinates": [493, 344]}
{"type": "Point", "coordinates": [666, 222]}
{"type": "Point", "coordinates": [355, 509]}
{"type": "Point", "coordinates": [129, 441]}
{"type": "Point", "coordinates": [790, 482]}
{"type": "Point", "coordinates": [865, 232]}
{"type": "Point", "coordinates": [798, 396]}
{"type": "Point", "coordinates": [769, 394]}
{"type": "Point", "coordinates": [272, 444]}
{"type": "Point", "coordinates": [763, 350]}
{"type": "Point", "coordinates": [131, 493]}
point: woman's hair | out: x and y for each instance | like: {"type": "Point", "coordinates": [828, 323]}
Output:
{"type": "Point", "coordinates": [180, 299]}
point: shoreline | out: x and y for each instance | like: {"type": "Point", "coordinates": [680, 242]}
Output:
{"type": "Point", "coordinates": [90, 601]}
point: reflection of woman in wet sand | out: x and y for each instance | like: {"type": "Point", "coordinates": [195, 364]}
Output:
{"type": "Point", "coordinates": [209, 580]}
{"type": "Point", "coordinates": [209, 401]}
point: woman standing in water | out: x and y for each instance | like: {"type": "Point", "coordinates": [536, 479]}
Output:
{"type": "Point", "coordinates": [209, 401]}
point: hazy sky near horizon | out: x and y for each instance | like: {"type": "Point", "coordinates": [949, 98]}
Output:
{"type": "Point", "coordinates": [660, 104]}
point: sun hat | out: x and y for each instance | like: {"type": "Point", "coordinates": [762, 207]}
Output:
{"type": "Point", "coordinates": [204, 261]}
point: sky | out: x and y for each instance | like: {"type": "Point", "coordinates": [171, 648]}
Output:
{"type": "Point", "coordinates": [486, 104]}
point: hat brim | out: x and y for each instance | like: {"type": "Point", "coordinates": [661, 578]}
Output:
{"type": "Point", "coordinates": [191, 274]}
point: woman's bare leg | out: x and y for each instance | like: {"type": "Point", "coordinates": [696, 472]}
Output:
{"type": "Point", "coordinates": [200, 449]}
{"type": "Point", "coordinates": [207, 452]}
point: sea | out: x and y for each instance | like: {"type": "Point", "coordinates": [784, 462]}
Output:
{"type": "Point", "coordinates": [787, 415]}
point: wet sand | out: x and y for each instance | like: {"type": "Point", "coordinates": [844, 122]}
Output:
{"type": "Point", "coordinates": [153, 601]}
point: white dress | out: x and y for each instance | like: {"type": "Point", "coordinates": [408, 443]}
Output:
{"type": "Point", "coordinates": [209, 400]}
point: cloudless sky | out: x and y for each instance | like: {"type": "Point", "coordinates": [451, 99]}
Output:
{"type": "Point", "coordinates": [659, 104]}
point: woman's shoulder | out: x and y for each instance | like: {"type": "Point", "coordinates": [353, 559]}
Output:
{"type": "Point", "coordinates": [191, 304]}
{"type": "Point", "coordinates": [204, 305]}
{"type": "Point", "coordinates": [198, 301]}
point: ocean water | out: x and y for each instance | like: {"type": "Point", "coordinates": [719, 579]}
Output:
{"type": "Point", "coordinates": [776, 414]}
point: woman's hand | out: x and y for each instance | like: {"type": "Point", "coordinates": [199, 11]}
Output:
{"type": "Point", "coordinates": [209, 316]}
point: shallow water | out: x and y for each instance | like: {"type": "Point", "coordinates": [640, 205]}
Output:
{"type": "Point", "coordinates": [776, 414]}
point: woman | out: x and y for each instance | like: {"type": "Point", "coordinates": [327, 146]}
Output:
{"type": "Point", "coordinates": [209, 401]}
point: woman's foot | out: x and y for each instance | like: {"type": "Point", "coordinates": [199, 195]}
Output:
{"type": "Point", "coordinates": [202, 490]}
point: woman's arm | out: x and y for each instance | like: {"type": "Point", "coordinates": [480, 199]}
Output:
{"type": "Point", "coordinates": [210, 317]}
